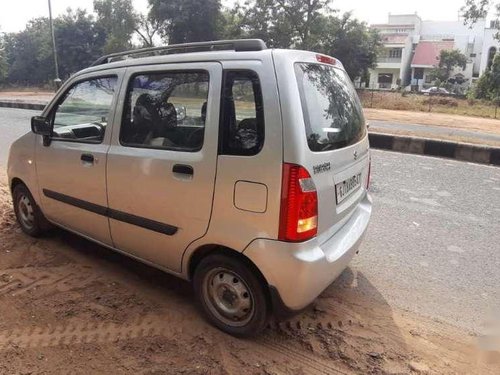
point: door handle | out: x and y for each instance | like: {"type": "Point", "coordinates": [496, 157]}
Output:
{"type": "Point", "coordinates": [183, 169]}
{"type": "Point", "coordinates": [87, 158]}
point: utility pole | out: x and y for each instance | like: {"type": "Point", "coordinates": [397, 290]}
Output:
{"type": "Point", "coordinates": [57, 80]}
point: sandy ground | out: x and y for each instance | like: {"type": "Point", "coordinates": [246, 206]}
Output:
{"type": "Point", "coordinates": [27, 96]}
{"type": "Point", "coordinates": [436, 119]}
{"type": "Point", "coordinates": [69, 306]}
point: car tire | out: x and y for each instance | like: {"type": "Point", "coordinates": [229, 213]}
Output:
{"type": "Point", "coordinates": [231, 295]}
{"type": "Point", "coordinates": [28, 214]}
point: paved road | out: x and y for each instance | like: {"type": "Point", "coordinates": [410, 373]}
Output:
{"type": "Point", "coordinates": [442, 132]}
{"type": "Point", "coordinates": [13, 124]}
{"type": "Point", "coordinates": [433, 246]}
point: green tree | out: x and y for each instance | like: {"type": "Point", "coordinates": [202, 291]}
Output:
{"type": "Point", "coordinates": [352, 42]}
{"type": "Point", "coordinates": [303, 17]}
{"type": "Point", "coordinates": [488, 85]}
{"type": "Point", "coordinates": [185, 21]}
{"type": "Point", "coordinates": [118, 19]}
{"type": "Point", "coordinates": [284, 23]}
{"type": "Point", "coordinates": [482, 87]}
{"type": "Point", "coordinates": [473, 10]}
{"type": "Point", "coordinates": [79, 40]}
{"type": "Point", "coordinates": [230, 23]}
{"type": "Point", "coordinates": [146, 28]}
{"type": "Point", "coordinates": [448, 61]}
{"type": "Point", "coordinates": [451, 59]}
{"type": "Point", "coordinates": [495, 78]}
{"type": "Point", "coordinates": [310, 25]}
{"type": "Point", "coordinates": [29, 53]}
{"type": "Point", "coordinates": [3, 60]}
{"type": "Point", "coordinates": [265, 19]}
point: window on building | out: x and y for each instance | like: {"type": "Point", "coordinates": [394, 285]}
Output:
{"type": "Point", "coordinates": [385, 80]}
{"type": "Point", "coordinates": [395, 53]}
{"type": "Point", "coordinates": [491, 55]}
{"type": "Point", "coordinates": [418, 73]}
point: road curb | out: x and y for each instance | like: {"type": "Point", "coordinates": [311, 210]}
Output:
{"type": "Point", "coordinates": [22, 105]}
{"type": "Point", "coordinates": [433, 147]}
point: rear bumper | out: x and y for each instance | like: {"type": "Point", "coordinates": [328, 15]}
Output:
{"type": "Point", "coordinates": [298, 272]}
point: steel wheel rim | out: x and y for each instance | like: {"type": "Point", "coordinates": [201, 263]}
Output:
{"type": "Point", "coordinates": [26, 212]}
{"type": "Point", "coordinates": [228, 297]}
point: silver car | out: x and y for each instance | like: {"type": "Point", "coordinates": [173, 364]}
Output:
{"type": "Point", "coordinates": [240, 168]}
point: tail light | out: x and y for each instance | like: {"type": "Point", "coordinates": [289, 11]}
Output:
{"type": "Point", "coordinates": [326, 59]}
{"type": "Point", "coordinates": [299, 205]}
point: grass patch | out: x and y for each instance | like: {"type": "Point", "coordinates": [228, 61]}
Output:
{"type": "Point", "coordinates": [423, 103]}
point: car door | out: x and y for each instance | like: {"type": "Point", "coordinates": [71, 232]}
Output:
{"type": "Point", "coordinates": [71, 167]}
{"type": "Point", "coordinates": [162, 163]}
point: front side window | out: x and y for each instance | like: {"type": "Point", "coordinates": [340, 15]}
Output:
{"type": "Point", "coordinates": [166, 110]}
{"type": "Point", "coordinates": [83, 113]}
{"type": "Point", "coordinates": [332, 111]}
{"type": "Point", "coordinates": [242, 114]}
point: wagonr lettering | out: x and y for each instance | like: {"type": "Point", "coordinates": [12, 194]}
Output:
{"type": "Point", "coordinates": [224, 163]}
{"type": "Point", "coordinates": [325, 167]}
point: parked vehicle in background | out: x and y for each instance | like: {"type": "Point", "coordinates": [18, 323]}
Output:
{"type": "Point", "coordinates": [436, 91]}
{"type": "Point", "coordinates": [242, 169]}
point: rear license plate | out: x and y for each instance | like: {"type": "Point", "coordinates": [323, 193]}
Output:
{"type": "Point", "coordinates": [347, 187]}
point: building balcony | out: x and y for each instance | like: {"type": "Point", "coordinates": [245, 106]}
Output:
{"type": "Point", "coordinates": [389, 60]}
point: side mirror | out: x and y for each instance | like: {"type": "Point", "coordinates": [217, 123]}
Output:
{"type": "Point", "coordinates": [40, 125]}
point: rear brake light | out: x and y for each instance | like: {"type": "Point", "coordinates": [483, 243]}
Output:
{"type": "Point", "coordinates": [299, 205]}
{"type": "Point", "coordinates": [326, 59]}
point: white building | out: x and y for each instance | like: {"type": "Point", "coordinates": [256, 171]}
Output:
{"type": "Point", "coordinates": [411, 49]}
{"type": "Point", "coordinates": [490, 47]}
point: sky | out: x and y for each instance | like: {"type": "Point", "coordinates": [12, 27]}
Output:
{"type": "Point", "coordinates": [15, 13]}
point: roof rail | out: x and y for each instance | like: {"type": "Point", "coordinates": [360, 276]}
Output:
{"type": "Point", "coordinates": [238, 45]}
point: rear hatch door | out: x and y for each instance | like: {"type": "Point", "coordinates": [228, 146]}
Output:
{"type": "Point", "coordinates": [335, 142]}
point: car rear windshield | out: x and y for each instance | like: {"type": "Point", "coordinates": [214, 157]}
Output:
{"type": "Point", "coordinates": [332, 111]}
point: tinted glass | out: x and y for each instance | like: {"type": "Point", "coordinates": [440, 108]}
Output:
{"type": "Point", "coordinates": [166, 110]}
{"type": "Point", "coordinates": [242, 115]}
{"type": "Point", "coordinates": [83, 113]}
{"type": "Point", "coordinates": [332, 111]}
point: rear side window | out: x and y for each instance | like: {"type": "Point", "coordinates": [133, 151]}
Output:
{"type": "Point", "coordinates": [332, 111]}
{"type": "Point", "coordinates": [166, 111]}
{"type": "Point", "coordinates": [242, 121]}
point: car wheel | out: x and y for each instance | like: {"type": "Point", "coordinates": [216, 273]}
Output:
{"type": "Point", "coordinates": [231, 295]}
{"type": "Point", "coordinates": [28, 214]}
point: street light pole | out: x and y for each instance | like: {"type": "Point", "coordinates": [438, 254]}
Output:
{"type": "Point", "coordinates": [57, 80]}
